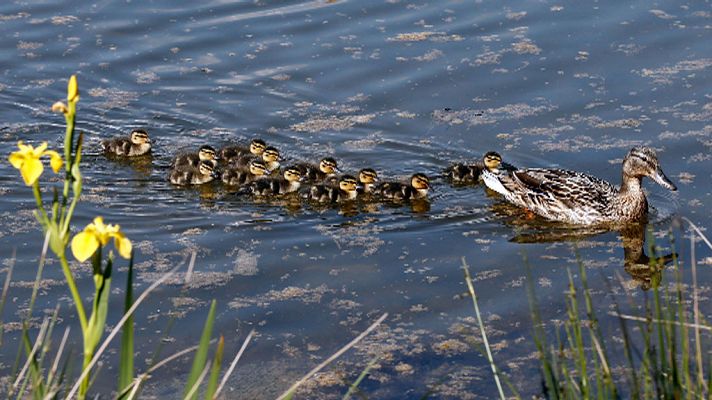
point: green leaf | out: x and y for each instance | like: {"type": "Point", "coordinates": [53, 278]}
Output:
{"type": "Point", "coordinates": [100, 306]}
{"type": "Point", "coordinates": [126, 366]}
{"type": "Point", "coordinates": [201, 355]}
{"type": "Point", "coordinates": [215, 370]}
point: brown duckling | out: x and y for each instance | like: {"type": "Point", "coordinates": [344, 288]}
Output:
{"type": "Point", "coordinates": [136, 144]}
{"type": "Point", "coordinates": [367, 179]}
{"type": "Point", "coordinates": [241, 176]}
{"type": "Point", "coordinates": [346, 190]}
{"type": "Point", "coordinates": [470, 173]}
{"type": "Point", "coordinates": [289, 182]}
{"type": "Point", "coordinates": [397, 191]}
{"type": "Point", "coordinates": [256, 148]}
{"type": "Point", "coordinates": [193, 176]}
{"type": "Point", "coordinates": [205, 153]}
{"type": "Point", "coordinates": [327, 168]}
{"type": "Point", "coordinates": [270, 156]}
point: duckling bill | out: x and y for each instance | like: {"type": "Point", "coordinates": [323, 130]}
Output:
{"type": "Point", "coordinates": [579, 198]}
{"type": "Point", "coordinates": [136, 144]}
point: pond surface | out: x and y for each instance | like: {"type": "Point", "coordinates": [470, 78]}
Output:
{"type": "Point", "coordinates": [399, 86]}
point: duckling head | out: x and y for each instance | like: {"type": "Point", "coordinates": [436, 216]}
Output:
{"type": "Point", "coordinates": [258, 167]}
{"type": "Point", "coordinates": [367, 176]}
{"type": "Point", "coordinates": [207, 153]}
{"type": "Point", "coordinates": [348, 183]}
{"type": "Point", "coordinates": [206, 168]}
{"type": "Point", "coordinates": [139, 136]}
{"type": "Point", "coordinates": [293, 174]}
{"type": "Point", "coordinates": [257, 146]}
{"type": "Point", "coordinates": [270, 155]}
{"type": "Point", "coordinates": [420, 182]}
{"type": "Point", "coordinates": [492, 160]}
{"type": "Point", "coordinates": [643, 161]}
{"type": "Point", "coordinates": [328, 165]}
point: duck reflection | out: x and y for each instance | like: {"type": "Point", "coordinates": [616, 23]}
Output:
{"type": "Point", "coordinates": [644, 268]}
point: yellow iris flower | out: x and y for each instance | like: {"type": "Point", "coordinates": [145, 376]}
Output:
{"type": "Point", "coordinates": [96, 234]}
{"type": "Point", "coordinates": [27, 160]}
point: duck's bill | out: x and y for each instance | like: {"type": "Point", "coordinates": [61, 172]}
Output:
{"type": "Point", "coordinates": [662, 180]}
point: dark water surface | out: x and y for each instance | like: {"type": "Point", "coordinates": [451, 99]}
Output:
{"type": "Point", "coordinates": [398, 86]}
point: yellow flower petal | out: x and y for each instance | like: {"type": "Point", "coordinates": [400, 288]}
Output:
{"type": "Point", "coordinates": [55, 160]}
{"type": "Point", "coordinates": [123, 245]}
{"type": "Point", "coordinates": [31, 170]}
{"type": "Point", "coordinates": [72, 89]}
{"type": "Point", "coordinates": [24, 148]}
{"type": "Point", "coordinates": [17, 159]}
{"type": "Point", "coordinates": [39, 150]}
{"type": "Point", "coordinates": [84, 245]}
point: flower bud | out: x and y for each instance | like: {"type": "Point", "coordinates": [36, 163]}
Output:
{"type": "Point", "coordinates": [59, 107]}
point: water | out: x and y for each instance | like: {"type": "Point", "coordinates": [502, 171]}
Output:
{"type": "Point", "coordinates": [398, 86]}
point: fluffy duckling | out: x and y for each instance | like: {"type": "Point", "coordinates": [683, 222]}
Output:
{"type": "Point", "coordinates": [239, 176]}
{"type": "Point", "coordinates": [136, 144]}
{"type": "Point", "coordinates": [464, 173]}
{"type": "Point", "coordinates": [397, 191]}
{"type": "Point", "coordinates": [193, 176]}
{"type": "Point", "coordinates": [367, 177]}
{"type": "Point", "coordinates": [270, 156]}
{"type": "Point", "coordinates": [256, 148]}
{"type": "Point", "coordinates": [205, 153]}
{"type": "Point", "coordinates": [288, 183]}
{"type": "Point", "coordinates": [327, 168]}
{"type": "Point", "coordinates": [346, 190]}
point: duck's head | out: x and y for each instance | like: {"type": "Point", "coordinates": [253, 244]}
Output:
{"type": "Point", "coordinates": [293, 174]}
{"type": "Point", "coordinates": [257, 146]}
{"type": "Point", "coordinates": [206, 168]}
{"type": "Point", "coordinates": [492, 160]}
{"type": "Point", "coordinates": [139, 136]}
{"type": "Point", "coordinates": [367, 176]}
{"type": "Point", "coordinates": [271, 154]}
{"type": "Point", "coordinates": [328, 165]}
{"type": "Point", "coordinates": [642, 161]}
{"type": "Point", "coordinates": [207, 153]}
{"type": "Point", "coordinates": [348, 183]}
{"type": "Point", "coordinates": [258, 167]}
{"type": "Point", "coordinates": [420, 182]}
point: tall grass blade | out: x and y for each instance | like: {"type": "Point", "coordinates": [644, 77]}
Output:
{"type": "Point", "coordinates": [471, 288]}
{"type": "Point", "coordinates": [5, 289]}
{"type": "Point", "coordinates": [201, 355]}
{"type": "Point", "coordinates": [233, 364]}
{"type": "Point", "coordinates": [116, 329]}
{"type": "Point", "coordinates": [126, 357]}
{"type": "Point", "coordinates": [215, 370]}
{"type": "Point", "coordinates": [361, 377]}
{"type": "Point", "coordinates": [290, 392]}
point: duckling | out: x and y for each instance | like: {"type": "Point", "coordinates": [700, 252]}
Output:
{"type": "Point", "coordinates": [579, 198]}
{"type": "Point", "coordinates": [346, 190]}
{"type": "Point", "coordinates": [397, 191]}
{"type": "Point", "coordinates": [240, 176]}
{"type": "Point", "coordinates": [270, 156]}
{"type": "Point", "coordinates": [205, 153]}
{"type": "Point", "coordinates": [288, 183]}
{"type": "Point", "coordinates": [137, 144]}
{"type": "Point", "coordinates": [257, 147]}
{"type": "Point", "coordinates": [367, 177]}
{"type": "Point", "coordinates": [327, 168]}
{"type": "Point", "coordinates": [193, 176]}
{"type": "Point", "coordinates": [464, 173]}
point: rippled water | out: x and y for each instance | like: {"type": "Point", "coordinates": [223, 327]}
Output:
{"type": "Point", "coordinates": [398, 86]}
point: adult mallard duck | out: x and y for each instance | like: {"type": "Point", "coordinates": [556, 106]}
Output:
{"type": "Point", "coordinates": [579, 198]}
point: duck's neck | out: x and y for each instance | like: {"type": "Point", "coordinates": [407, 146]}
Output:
{"type": "Point", "coordinates": [632, 203]}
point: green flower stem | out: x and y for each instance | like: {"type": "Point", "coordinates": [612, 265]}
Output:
{"type": "Point", "coordinates": [65, 223]}
{"type": "Point", "coordinates": [38, 199]}
{"type": "Point", "coordinates": [75, 293]}
{"type": "Point", "coordinates": [68, 161]}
